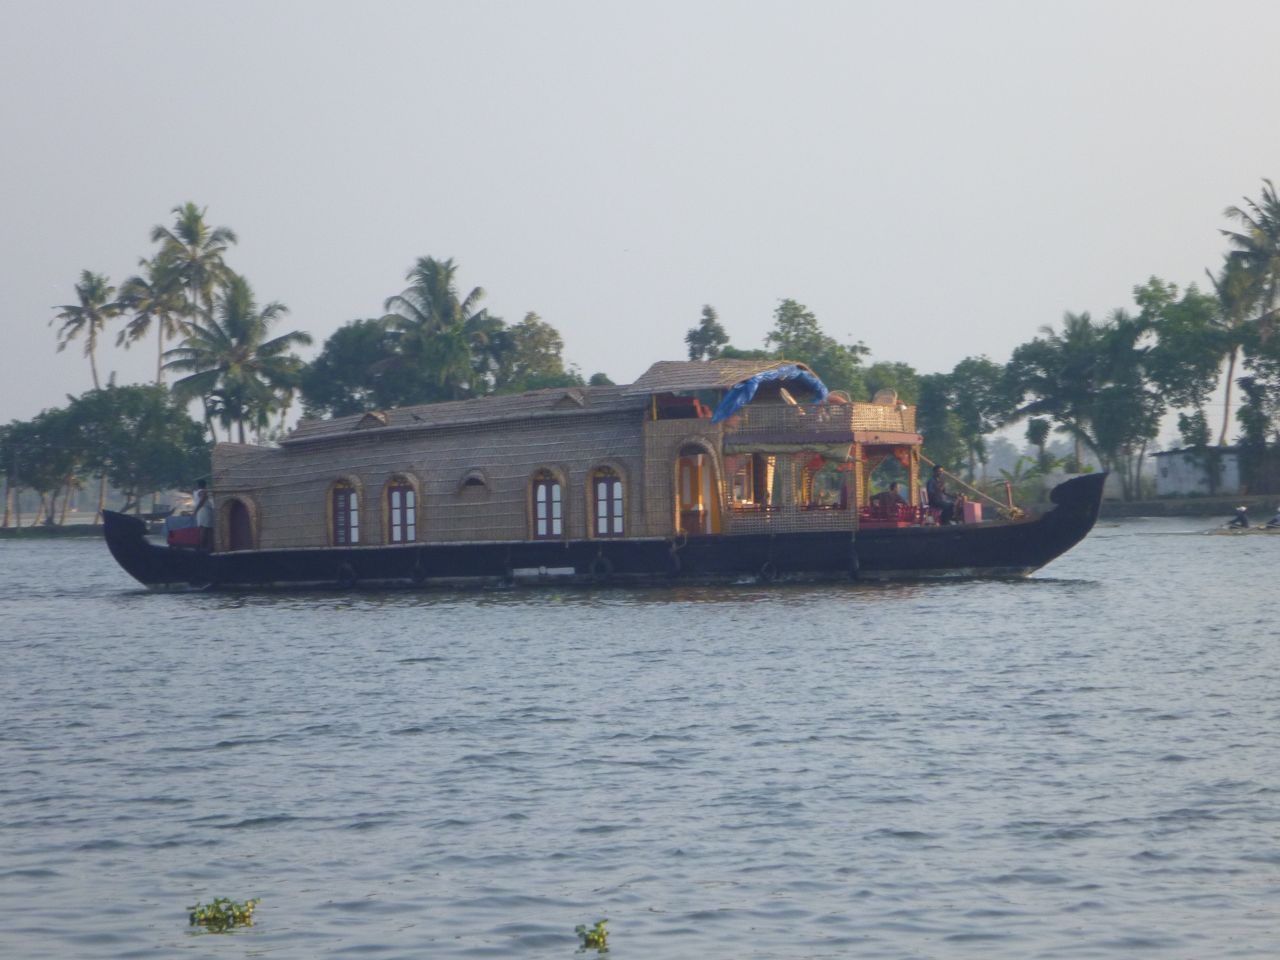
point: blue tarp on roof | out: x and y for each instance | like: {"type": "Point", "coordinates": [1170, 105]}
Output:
{"type": "Point", "coordinates": [744, 392]}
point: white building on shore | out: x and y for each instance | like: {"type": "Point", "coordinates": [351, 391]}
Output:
{"type": "Point", "coordinates": [1186, 472]}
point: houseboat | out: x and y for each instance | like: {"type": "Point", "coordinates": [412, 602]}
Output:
{"type": "Point", "coordinates": [721, 470]}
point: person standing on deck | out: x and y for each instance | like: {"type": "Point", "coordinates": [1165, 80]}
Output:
{"type": "Point", "coordinates": [202, 504]}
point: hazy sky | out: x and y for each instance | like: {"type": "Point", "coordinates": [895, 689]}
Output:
{"type": "Point", "coordinates": [934, 179]}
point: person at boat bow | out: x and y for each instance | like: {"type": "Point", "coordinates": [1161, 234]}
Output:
{"type": "Point", "coordinates": [202, 502]}
{"type": "Point", "coordinates": [1241, 519]}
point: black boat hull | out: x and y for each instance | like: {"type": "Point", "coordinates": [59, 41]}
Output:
{"type": "Point", "coordinates": [999, 549]}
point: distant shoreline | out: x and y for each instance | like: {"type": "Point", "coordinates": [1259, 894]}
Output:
{"type": "Point", "coordinates": [72, 531]}
{"type": "Point", "coordinates": [1259, 506]}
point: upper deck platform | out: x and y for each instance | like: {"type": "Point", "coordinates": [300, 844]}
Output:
{"type": "Point", "coordinates": [777, 423]}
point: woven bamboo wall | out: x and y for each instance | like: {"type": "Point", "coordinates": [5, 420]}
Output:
{"type": "Point", "coordinates": [289, 488]}
{"type": "Point", "coordinates": [663, 440]}
{"type": "Point", "coordinates": [805, 419]}
{"type": "Point", "coordinates": [791, 520]}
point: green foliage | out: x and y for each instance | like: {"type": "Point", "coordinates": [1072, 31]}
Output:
{"type": "Point", "coordinates": [141, 438]}
{"type": "Point", "coordinates": [938, 422]}
{"type": "Point", "coordinates": [222, 914]}
{"type": "Point", "coordinates": [708, 338]}
{"type": "Point", "coordinates": [433, 345]}
{"type": "Point", "coordinates": [243, 374]}
{"type": "Point", "coordinates": [899, 377]}
{"type": "Point", "coordinates": [982, 401]}
{"type": "Point", "coordinates": [196, 254]}
{"type": "Point", "coordinates": [796, 331]}
{"type": "Point", "coordinates": [957, 410]}
{"type": "Point", "coordinates": [154, 297]}
{"type": "Point", "coordinates": [88, 316]}
{"type": "Point", "coordinates": [1255, 245]}
{"type": "Point", "coordinates": [1255, 414]}
{"type": "Point", "coordinates": [600, 380]}
{"type": "Point", "coordinates": [1095, 380]}
{"type": "Point", "coordinates": [1255, 257]}
{"type": "Point", "coordinates": [1262, 360]}
{"type": "Point", "coordinates": [1194, 429]}
{"type": "Point", "coordinates": [357, 370]}
{"type": "Point", "coordinates": [1190, 341]}
{"type": "Point", "coordinates": [594, 937]}
{"type": "Point", "coordinates": [1025, 482]}
{"type": "Point", "coordinates": [450, 342]}
{"type": "Point", "coordinates": [1038, 432]}
{"type": "Point", "coordinates": [797, 335]}
{"type": "Point", "coordinates": [530, 358]}
{"type": "Point", "coordinates": [734, 353]}
{"type": "Point", "coordinates": [42, 454]}
{"type": "Point", "coordinates": [1038, 436]}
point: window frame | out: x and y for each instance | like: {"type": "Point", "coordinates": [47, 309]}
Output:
{"type": "Point", "coordinates": [344, 519]}
{"type": "Point", "coordinates": [612, 509]}
{"type": "Point", "coordinates": [550, 526]}
{"type": "Point", "coordinates": [409, 522]}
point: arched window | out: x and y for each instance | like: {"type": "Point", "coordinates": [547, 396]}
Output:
{"type": "Point", "coordinates": [606, 508]}
{"type": "Point", "coordinates": [548, 506]}
{"type": "Point", "coordinates": [346, 514]}
{"type": "Point", "coordinates": [402, 511]}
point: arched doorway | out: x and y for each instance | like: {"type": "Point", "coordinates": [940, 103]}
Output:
{"type": "Point", "coordinates": [239, 526]}
{"type": "Point", "coordinates": [697, 492]}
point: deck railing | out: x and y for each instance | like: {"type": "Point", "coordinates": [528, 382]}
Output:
{"type": "Point", "coordinates": [744, 520]}
{"type": "Point", "coordinates": [825, 419]}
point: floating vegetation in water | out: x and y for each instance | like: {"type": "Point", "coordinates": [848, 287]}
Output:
{"type": "Point", "coordinates": [222, 914]}
{"type": "Point", "coordinates": [593, 938]}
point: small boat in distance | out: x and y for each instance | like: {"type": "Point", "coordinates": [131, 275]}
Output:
{"type": "Point", "coordinates": [1240, 523]}
{"type": "Point", "coordinates": [700, 471]}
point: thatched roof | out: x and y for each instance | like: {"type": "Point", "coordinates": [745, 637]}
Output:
{"type": "Point", "coordinates": [676, 376]}
{"type": "Point", "coordinates": [668, 376]}
{"type": "Point", "coordinates": [551, 402]}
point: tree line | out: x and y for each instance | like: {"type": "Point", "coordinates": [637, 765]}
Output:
{"type": "Point", "coordinates": [1105, 385]}
{"type": "Point", "coordinates": [228, 360]}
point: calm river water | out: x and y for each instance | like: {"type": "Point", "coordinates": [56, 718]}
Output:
{"type": "Point", "coordinates": [1083, 764]}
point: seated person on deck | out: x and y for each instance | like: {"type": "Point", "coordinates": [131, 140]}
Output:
{"type": "Point", "coordinates": [887, 503]}
{"type": "Point", "coordinates": [941, 499]}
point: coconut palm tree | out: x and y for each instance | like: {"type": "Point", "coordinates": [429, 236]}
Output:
{"type": "Point", "coordinates": [232, 365]}
{"type": "Point", "coordinates": [453, 341]}
{"type": "Point", "coordinates": [1256, 245]}
{"type": "Point", "coordinates": [88, 316]}
{"type": "Point", "coordinates": [195, 251]}
{"type": "Point", "coordinates": [1236, 295]}
{"type": "Point", "coordinates": [154, 296]}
